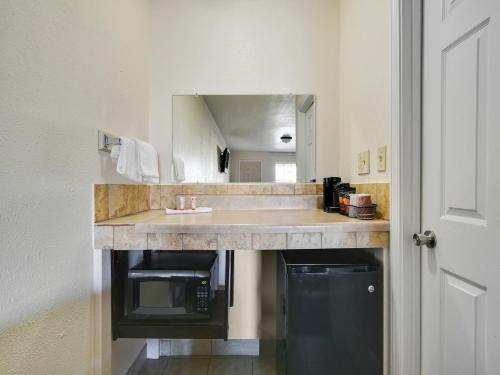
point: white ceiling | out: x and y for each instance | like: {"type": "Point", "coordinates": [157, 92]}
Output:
{"type": "Point", "coordinates": [255, 122]}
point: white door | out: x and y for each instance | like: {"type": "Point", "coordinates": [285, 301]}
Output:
{"type": "Point", "coordinates": [461, 187]}
{"type": "Point", "coordinates": [310, 164]}
{"type": "Point", "coordinates": [250, 171]}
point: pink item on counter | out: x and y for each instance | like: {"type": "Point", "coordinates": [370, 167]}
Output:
{"type": "Point", "coordinates": [193, 203]}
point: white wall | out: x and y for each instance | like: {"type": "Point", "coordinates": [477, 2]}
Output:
{"type": "Point", "coordinates": [67, 69]}
{"type": "Point", "coordinates": [269, 160]}
{"type": "Point", "coordinates": [245, 47]}
{"type": "Point", "coordinates": [196, 137]}
{"type": "Point", "coordinates": [70, 68]}
{"type": "Point", "coordinates": [364, 85]}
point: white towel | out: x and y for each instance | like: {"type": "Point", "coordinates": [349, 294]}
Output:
{"type": "Point", "coordinates": [115, 153]}
{"type": "Point", "coordinates": [127, 161]}
{"type": "Point", "coordinates": [179, 169]}
{"type": "Point", "coordinates": [147, 162]}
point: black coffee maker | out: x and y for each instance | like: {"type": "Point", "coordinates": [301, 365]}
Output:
{"type": "Point", "coordinates": [330, 194]}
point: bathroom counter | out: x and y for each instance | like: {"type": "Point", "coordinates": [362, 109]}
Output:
{"type": "Point", "coordinates": [240, 221]}
{"type": "Point", "coordinates": [240, 230]}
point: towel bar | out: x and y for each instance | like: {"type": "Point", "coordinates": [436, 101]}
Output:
{"type": "Point", "coordinates": [107, 140]}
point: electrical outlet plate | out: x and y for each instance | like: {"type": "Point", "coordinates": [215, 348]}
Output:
{"type": "Point", "coordinates": [381, 159]}
{"type": "Point", "coordinates": [364, 162]}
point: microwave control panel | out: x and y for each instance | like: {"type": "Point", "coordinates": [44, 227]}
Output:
{"type": "Point", "coordinates": [202, 298]}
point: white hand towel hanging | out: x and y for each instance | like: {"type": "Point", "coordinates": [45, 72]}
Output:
{"type": "Point", "coordinates": [127, 160]}
{"type": "Point", "coordinates": [115, 153]}
{"type": "Point", "coordinates": [179, 169]}
{"type": "Point", "coordinates": [147, 162]}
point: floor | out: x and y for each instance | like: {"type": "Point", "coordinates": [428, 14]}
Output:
{"type": "Point", "coordinates": [227, 365]}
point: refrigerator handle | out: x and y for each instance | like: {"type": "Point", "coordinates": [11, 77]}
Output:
{"type": "Point", "coordinates": [308, 270]}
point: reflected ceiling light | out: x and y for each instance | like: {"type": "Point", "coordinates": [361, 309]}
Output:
{"type": "Point", "coordinates": [286, 138]}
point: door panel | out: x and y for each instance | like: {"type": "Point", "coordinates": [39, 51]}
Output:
{"type": "Point", "coordinates": [463, 125]}
{"type": "Point", "coordinates": [460, 186]}
{"type": "Point", "coordinates": [463, 322]}
{"type": "Point", "coordinates": [250, 171]}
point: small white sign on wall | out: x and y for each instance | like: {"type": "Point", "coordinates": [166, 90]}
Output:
{"type": "Point", "coordinates": [364, 162]}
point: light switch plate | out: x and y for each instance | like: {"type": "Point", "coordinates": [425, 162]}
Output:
{"type": "Point", "coordinates": [364, 162]}
{"type": "Point", "coordinates": [381, 159]}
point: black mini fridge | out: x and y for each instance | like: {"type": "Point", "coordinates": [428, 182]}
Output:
{"type": "Point", "coordinates": [331, 320]}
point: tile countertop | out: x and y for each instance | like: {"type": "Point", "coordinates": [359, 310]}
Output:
{"type": "Point", "coordinates": [243, 221]}
{"type": "Point", "coordinates": [240, 229]}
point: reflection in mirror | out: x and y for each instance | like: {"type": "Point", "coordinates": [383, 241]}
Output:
{"type": "Point", "coordinates": [244, 138]}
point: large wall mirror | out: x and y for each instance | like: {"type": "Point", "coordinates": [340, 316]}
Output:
{"type": "Point", "coordinates": [244, 138]}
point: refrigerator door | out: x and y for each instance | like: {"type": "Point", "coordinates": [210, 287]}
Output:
{"type": "Point", "coordinates": [334, 320]}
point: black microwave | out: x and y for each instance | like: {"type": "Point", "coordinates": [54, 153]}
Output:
{"type": "Point", "coordinates": [171, 294]}
{"type": "Point", "coordinates": [173, 285]}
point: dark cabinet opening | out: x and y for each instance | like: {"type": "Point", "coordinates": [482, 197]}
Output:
{"type": "Point", "coordinates": [171, 294]}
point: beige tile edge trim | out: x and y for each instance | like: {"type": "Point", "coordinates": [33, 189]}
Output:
{"type": "Point", "coordinates": [125, 238]}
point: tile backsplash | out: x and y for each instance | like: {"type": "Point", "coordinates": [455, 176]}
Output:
{"type": "Point", "coordinates": [165, 195]}
{"type": "Point", "coordinates": [113, 201]}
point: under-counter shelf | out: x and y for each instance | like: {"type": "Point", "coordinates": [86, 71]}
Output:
{"type": "Point", "coordinates": [215, 328]}
{"type": "Point", "coordinates": [171, 295]}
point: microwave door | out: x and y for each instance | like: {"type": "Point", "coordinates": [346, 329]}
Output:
{"type": "Point", "coordinates": [162, 297]}
{"type": "Point", "coordinates": [160, 293]}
